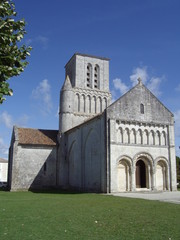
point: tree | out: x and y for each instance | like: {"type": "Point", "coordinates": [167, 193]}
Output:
{"type": "Point", "coordinates": [12, 54]}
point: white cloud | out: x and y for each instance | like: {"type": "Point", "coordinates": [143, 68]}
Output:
{"type": "Point", "coordinates": [3, 148]}
{"type": "Point", "coordinates": [42, 40]}
{"type": "Point", "coordinates": [6, 119]}
{"type": "Point", "coordinates": [22, 120]}
{"type": "Point", "coordinates": [153, 85]}
{"type": "Point", "coordinates": [114, 95]}
{"type": "Point", "coordinates": [119, 85]}
{"type": "Point", "coordinates": [9, 122]}
{"type": "Point", "coordinates": [42, 93]}
{"type": "Point", "coordinates": [139, 72]}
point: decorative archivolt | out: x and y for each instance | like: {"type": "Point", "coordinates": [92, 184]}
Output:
{"type": "Point", "coordinates": [139, 136]}
{"type": "Point", "coordinates": [124, 158]}
{"type": "Point", "coordinates": [145, 157]}
{"type": "Point", "coordinates": [162, 160]}
{"type": "Point", "coordinates": [91, 92]}
{"type": "Point", "coordinates": [90, 103]}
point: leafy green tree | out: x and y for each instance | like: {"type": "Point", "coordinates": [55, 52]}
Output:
{"type": "Point", "coordinates": [12, 54]}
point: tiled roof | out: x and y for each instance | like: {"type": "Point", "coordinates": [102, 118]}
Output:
{"type": "Point", "coordinates": [37, 136]}
{"type": "Point", "coordinates": [2, 160]}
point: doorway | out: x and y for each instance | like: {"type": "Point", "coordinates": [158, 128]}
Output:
{"type": "Point", "coordinates": [140, 174]}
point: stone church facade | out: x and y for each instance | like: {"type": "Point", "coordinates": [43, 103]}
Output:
{"type": "Point", "coordinates": [100, 147]}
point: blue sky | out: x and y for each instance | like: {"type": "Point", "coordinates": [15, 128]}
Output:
{"type": "Point", "coordinates": [141, 37]}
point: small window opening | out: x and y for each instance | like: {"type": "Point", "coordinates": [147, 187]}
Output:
{"type": "Point", "coordinates": [142, 108]}
{"type": "Point", "coordinates": [87, 85]}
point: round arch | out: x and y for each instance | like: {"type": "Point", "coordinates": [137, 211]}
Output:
{"type": "Point", "coordinates": [143, 167]}
{"type": "Point", "coordinates": [124, 170]}
{"type": "Point", "coordinates": [162, 173]}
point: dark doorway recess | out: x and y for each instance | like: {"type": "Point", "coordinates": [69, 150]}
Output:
{"type": "Point", "coordinates": [140, 174]}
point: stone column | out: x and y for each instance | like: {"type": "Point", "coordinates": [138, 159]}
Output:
{"type": "Point", "coordinates": [127, 178]}
{"type": "Point", "coordinates": [133, 182]}
{"type": "Point", "coordinates": [149, 177]}
{"type": "Point", "coordinates": [153, 179]}
{"type": "Point", "coordinates": [167, 179]}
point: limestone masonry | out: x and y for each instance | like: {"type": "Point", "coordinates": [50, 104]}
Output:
{"type": "Point", "coordinates": [100, 147]}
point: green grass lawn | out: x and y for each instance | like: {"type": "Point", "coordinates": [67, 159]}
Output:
{"type": "Point", "coordinates": [51, 216]}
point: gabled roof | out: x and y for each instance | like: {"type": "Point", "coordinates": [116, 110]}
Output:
{"type": "Point", "coordinates": [128, 107]}
{"type": "Point", "coordinates": [142, 85]}
{"type": "Point", "coordinates": [30, 136]}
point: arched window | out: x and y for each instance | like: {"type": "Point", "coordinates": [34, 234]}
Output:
{"type": "Point", "coordinates": [151, 138]}
{"type": "Point", "coordinates": [133, 136]}
{"type": "Point", "coordinates": [146, 137]}
{"type": "Point", "coordinates": [104, 104]}
{"type": "Point", "coordinates": [99, 105]}
{"type": "Point", "coordinates": [120, 135]}
{"type": "Point", "coordinates": [77, 103]}
{"type": "Point", "coordinates": [93, 105]}
{"type": "Point", "coordinates": [126, 135]}
{"type": "Point", "coordinates": [96, 76]}
{"type": "Point", "coordinates": [88, 104]}
{"type": "Point", "coordinates": [89, 75]}
{"type": "Point", "coordinates": [163, 138]}
{"type": "Point", "coordinates": [142, 108]}
{"type": "Point", "coordinates": [139, 137]}
{"type": "Point", "coordinates": [158, 138]}
{"type": "Point", "coordinates": [82, 104]}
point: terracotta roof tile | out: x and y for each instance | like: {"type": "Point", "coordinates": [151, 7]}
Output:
{"type": "Point", "coordinates": [37, 136]}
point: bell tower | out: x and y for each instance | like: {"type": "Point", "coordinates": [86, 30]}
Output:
{"type": "Point", "coordinates": [85, 92]}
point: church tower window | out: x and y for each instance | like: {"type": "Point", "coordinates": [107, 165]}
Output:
{"type": "Point", "coordinates": [142, 108]}
{"type": "Point", "coordinates": [89, 75]}
{"type": "Point", "coordinates": [96, 76]}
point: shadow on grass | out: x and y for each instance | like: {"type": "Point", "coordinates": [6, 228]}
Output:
{"type": "Point", "coordinates": [54, 191]}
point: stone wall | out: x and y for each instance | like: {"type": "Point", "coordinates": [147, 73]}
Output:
{"type": "Point", "coordinates": [33, 167]}
{"type": "Point", "coordinates": [83, 157]}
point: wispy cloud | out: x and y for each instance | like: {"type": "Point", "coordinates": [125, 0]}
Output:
{"type": "Point", "coordinates": [119, 85]}
{"type": "Point", "coordinates": [3, 148]}
{"type": "Point", "coordinates": [41, 40]}
{"type": "Point", "coordinates": [9, 122]}
{"type": "Point", "coordinates": [6, 119]}
{"type": "Point", "coordinates": [23, 120]}
{"type": "Point", "coordinates": [42, 93]}
{"type": "Point", "coordinates": [139, 72]}
{"type": "Point", "coordinates": [152, 83]}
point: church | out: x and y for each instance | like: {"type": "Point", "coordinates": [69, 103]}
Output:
{"type": "Point", "coordinates": [104, 147]}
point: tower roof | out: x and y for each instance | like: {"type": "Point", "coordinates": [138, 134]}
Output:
{"type": "Point", "coordinates": [87, 55]}
{"type": "Point", "coordinates": [67, 84]}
